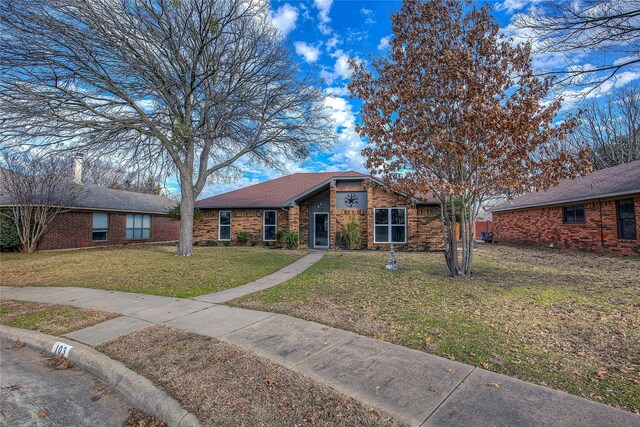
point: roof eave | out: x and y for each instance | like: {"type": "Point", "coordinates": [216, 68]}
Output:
{"type": "Point", "coordinates": [566, 201]}
{"type": "Point", "coordinates": [292, 200]}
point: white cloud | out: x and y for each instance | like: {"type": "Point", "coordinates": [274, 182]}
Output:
{"type": "Point", "coordinates": [333, 42]}
{"type": "Point", "coordinates": [368, 15]}
{"type": "Point", "coordinates": [346, 154]}
{"type": "Point", "coordinates": [384, 43]}
{"type": "Point", "coordinates": [341, 67]}
{"type": "Point", "coordinates": [306, 15]}
{"type": "Point", "coordinates": [324, 7]}
{"type": "Point", "coordinates": [338, 90]}
{"type": "Point", "coordinates": [309, 52]}
{"type": "Point", "coordinates": [328, 76]}
{"type": "Point", "coordinates": [285, 18]}
{"type": "Point", "coordinates": [512, 6]}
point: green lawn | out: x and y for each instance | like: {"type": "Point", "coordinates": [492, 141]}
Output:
{"type": "Point", "coordinates": [570, 321]}
{"type": "Point", "coordinates": [145, 269]}
{"type": "Point", "coordinates": [52, 319]}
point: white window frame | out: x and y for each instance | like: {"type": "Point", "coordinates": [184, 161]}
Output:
{"type": "Point", "coordinates": [100, 230]}
{"type": "Point", "coordinates": [390, 225]}
{"type": "Point", "coordinates": [264, 225]}
{"type": "Point", "coordinates": [225, 225]}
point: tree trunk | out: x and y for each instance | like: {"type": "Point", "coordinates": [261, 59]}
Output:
{"type": "Point", "coordinates": [185, 245]}
{"type": "Point", "coordinates": [450, 238]}
{"type": "Point", "coordinates": [467, 260]}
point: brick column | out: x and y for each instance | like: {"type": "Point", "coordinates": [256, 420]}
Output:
{"type": "Point", "coordinates": [369, 215]}
{"type": "Point", "coordinates": [294, 219]}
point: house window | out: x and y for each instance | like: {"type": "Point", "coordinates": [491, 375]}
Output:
{"type": "Point", "coordinates": [138, 226]}
{"type": "Point", "coordinates": [390, 225]}
{"type": "Point", "coordinates": [270, 220]}
{"type": "Point", "coordinates": [573, 214]}
{"type": "Point", "coordinates": [100, 227]}
{"type": "Point", "coordinates": [626, 219]}
{"type": "Point", "coordinates": [224, 225]}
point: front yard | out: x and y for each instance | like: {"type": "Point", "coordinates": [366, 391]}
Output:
{"type": "Point", "coordinates": [566, 320]}
{"type": "Point", "coordinates": [224, 385]}
{"type": "Point", "coordinates": [146, 269]}
{"type": "Point", "coordinates": [51, 319]}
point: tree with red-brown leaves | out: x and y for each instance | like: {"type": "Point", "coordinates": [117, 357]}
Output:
{"type": "Point", "coordinates": [456, 109]}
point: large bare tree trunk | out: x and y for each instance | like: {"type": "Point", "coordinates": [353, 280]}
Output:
{"type": "Point", "coordinates": [187, 204]}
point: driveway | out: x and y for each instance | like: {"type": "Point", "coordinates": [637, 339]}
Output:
{"type": "Point", "coordinates": [35, 393]}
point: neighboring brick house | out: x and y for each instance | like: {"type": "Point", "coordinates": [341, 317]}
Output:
{"type": "Point", "coordinates": [315, 205]}
{"type": "Point", "coordinates": [598, 212]}
{"type": "Point", "coordinates": [105, 217]}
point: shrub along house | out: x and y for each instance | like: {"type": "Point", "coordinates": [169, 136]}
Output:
{"type": "Point", "coordinates": [105, 217]}
{"type": "Point", "coordinates": [598, 212]}
{"type": "Point", "coordinates": [316, 205]}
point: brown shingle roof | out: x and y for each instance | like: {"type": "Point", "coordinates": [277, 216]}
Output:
{"type": "Point", "coordinates": [273, 193]}
{"type": "Point", "coordinates": [618, 180]}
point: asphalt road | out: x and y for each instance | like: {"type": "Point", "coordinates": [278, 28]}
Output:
{"type": "Point", "coordinates": [34, 393]}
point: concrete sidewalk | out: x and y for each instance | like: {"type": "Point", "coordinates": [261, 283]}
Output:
{"type": "Point", "coordinates": [418, 388]}
{"type": "Point", "coordinates": [280, 276]}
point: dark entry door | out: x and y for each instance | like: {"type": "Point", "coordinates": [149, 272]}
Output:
{"type": "Point", "coordinates": [321, 234]}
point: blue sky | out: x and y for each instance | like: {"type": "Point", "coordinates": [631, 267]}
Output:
{"type": "Point", "coordinates": [325, 33]}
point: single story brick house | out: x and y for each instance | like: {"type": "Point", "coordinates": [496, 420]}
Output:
{"type": "Point", "coordinates": [106, 217]}
{"type": "Point", "coordinates": [598, 212]}
{"type": "Point", "coordinates": [315, 205]}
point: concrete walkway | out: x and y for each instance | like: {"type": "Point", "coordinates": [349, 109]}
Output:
{"type": "Point", "coordinates": [280, 276]}
{"type": "Point", "coordinates": [416, 387]}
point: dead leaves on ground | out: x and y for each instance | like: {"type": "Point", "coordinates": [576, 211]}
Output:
{"type": "Point", "coordinates": [60, 362]}
{"type": "Point", "coordinates": [494, 384]}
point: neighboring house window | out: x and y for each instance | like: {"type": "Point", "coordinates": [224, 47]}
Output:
{"type": "Point", "coordinates": [270, 221]}
{"type": "Point", "coordinates": [138, 226]}
{"type": "Point", "coordinates": [224, 225]}
{"type": "Point", "coordinates": [390, 225]}
{"type": "Point", "coordinates": [100, 227]}
{"type": "Point", "coordinates": [573, 214]}
{"type": "Point", "coordinates": [626, 219]}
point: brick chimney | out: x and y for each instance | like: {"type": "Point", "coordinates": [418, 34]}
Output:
{"type": "Point", "coordinates": [78, 169]}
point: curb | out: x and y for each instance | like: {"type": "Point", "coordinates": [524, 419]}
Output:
{"type": "Point", "coordinates": [134, 387]}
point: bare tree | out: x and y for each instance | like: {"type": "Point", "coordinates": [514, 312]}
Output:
{"type": "Point", "coordinates": [608, 27]}
{"type": "Point", "coordinates": [611, 128]}
{"type": "Point", "coordinates": [191, 86]}
{"type": "Point", "coordinates": [35, 190]}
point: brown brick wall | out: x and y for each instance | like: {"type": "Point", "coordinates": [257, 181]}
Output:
{"type": "Point", "coordinates": [423, 226]}
{"type": "Point", "coordinates": [74, 229]}
{"type": "Point", "coordinates": [249, 220]}
{"type": "Point", "coordinates": [544, 226]}
{"type": "Point", "coordinates": [304, 223]}
{"type": "Point", "coordinates": [423, 223]}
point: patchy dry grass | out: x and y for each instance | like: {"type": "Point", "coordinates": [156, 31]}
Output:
{"type": "Point", "coordinates": [570, 321]}
{"type": "Point", "coordinates": [146, 269]}
{"type": "Point", "coordinates": [222, 384]}
{"type": "Point", "coordinates": [51, 319]}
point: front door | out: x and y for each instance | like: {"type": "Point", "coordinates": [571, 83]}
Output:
{"type": "Point", "coordinates": [321, 231]}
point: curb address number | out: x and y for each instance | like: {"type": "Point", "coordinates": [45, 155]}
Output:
{"type": "Point", "coordinates": [61, 348]}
